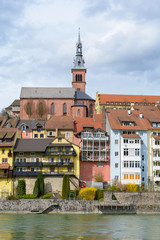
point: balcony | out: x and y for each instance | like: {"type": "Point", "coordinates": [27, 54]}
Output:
{"type": "Point", "coordinates": [25, 173]}
{"type": "Point", "coordinates": [156, 158]}
{"type": "Point", "coordinates": [27, 164]}
{"type": "Point", "coordinates": [60, 173]}
{"type": "Point", "coordinates": [156, 146]}
{"type": "Point", "coordinates": [62, 153]}
{"type": "Point", "coordinates": [156, 179]}
{"type": "Point", "coordinates": [3, 175]}
{"type": "Point", "coordinates": [90, 149]}
{"type": "Point", "coordinates": [156, 168]}
{"type": "Point", "coordinates": [58, 164]}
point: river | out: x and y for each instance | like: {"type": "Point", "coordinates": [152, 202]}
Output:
{"type": "Point", "coordinates": [79, 227]}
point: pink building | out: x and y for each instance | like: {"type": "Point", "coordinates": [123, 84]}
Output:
{"type": "Point", "coordinates": [94, 149]}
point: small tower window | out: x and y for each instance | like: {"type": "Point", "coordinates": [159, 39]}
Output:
{"type": "Point", "coordinates": [64, 109]}
{"type": "Point", "coordinates": [78, 112]}
{"type": "Point", "coordinates": [78, 77]}
{"type": "Point", "coordinates": [52, 108]}
{"type": "Point", "coordinates": [91, 110]}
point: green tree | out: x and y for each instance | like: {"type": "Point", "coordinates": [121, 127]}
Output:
{"type": "Point", "coordinates": [41, 109]}
{"type": "Point", "coordinates": [21, 188]}
{"type": "Point", "coordinates": [39, 185]}
{"type": "Point", "coordinates": [65, 187]}
{"type": "Point", "coordinates": [29, 108]}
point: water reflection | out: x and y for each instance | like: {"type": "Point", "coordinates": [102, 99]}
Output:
{"type": "Point", "coordinates": [80, 227]}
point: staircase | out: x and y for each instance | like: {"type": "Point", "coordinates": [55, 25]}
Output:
{"type": "Point", "coordinates": [74, 183]}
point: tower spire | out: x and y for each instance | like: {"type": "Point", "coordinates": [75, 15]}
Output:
{"type": "Point", "coordinates": [79, 61]}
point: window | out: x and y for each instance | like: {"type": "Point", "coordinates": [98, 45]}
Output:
{"type": "Point", "coordinates": [78, 77]}
{"type": "Point", "coordinates": [116, 141]}
{"type": "Point", "coordinates": [100, 164]}
{"type": "Point", "coordinates": [52, 108]}
{"type": "Point", "coordinates": [59, 139]}
{"type": "Point", "coordinates": [131, 176]}
{"type": "Point", "coordinates": [137, 164]}
{"type": "Point", "coordinates": [37, 159]}
{"type": "Point", "coordinates": [21, 154]}
{"type": "Point", "coordinates": [4, 160]}
{"type": "Point", "coordinates": [50, 133]}
{"type": "Point", "coordinates": [126, 164]}
{"type": "Point", "coordinates": [3, 151]}
{"type": "Point", "coordinates": [125, 140]}
{"type": "Point", "coordinates": [52, 149]}
{"type": "Point", "coordinates": [137, 141]}
{"type": "Point", "coordinates": [131, 164]}
{"type": "Point", "coordinates": [116, 154]}
{"type": "Point", "coordinates": [50, 159]}
{"type": "Point", "coordinates": [69, 169]}
{"type": "Point", "coordinates": [116, 132]}
{"type": "Point", "coordinates": [116, 165]}
{"type": "Point", "coordinates": [64, 109]}
{"type": "Point", "coordinates": [41, 135]}
{"type": "Point", "coordinates": [59, 149]}
{"type": "Point", "coordinates": [125, 152]}
{"type": "Point", "coordinates": [26, 134]}
{"type": "Point", "coordinates": [136, 152]}
{"type": "Point", "coordinates": [116, 178]}
{"type": "Point", "coordinates": [142, 157]}
{"type": "Point", "coordinates": [23, 128]}
{"type": "Point", "coordinates": [8, 139]}
{"type": "Point", "coordinates": [32, 154]}
{"type": "Point", "coordinates": [154, 133]}
{"type": "Point", "coordinates": [78, 89]}
{"type": "Point", "coordinates": [91, 109]}
{"type": "Point", "coordinates": [67, 134]}
{"type": "Point", "coordinates": [137, 176]}
{"type": "Point", "coordinates": [125, 176]}
{"type": "Point", "coordinates": [78, 112]}
{"type": "Point", "coordinates": [142, 179]}
{"type": "Point", "coordinates": [36, 135]}
{"type": "Point", "coordinates": [142, 168]}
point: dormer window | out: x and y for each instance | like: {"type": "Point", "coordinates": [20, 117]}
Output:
{"type": "Point", "coordinates": [8, 139]}
{"type": "Point", "coordinates": [128, 123]}
{"type": "Point", "coordinates": [155, 124]}
{"type": "Point", "coordinates": [8, 125]}
{"type": "Point", "coordinates": [23, 128]}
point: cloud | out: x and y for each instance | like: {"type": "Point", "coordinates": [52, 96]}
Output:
{"type": "Point", "coordinates": [120, 45]}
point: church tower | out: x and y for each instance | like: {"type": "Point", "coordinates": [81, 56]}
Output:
{"type": "Point", "coordinates": [79, 70]}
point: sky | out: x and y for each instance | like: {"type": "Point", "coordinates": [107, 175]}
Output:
{"type": "Point", "coordinates": [120, 40]}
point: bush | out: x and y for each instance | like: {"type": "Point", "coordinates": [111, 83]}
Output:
{"type": "Point", "coordinates": [12, 197]}
{"type": "Point", "coordinates": [88, 193]}
{"type": "Point", "coordinates": [99, 194]}
{"type": "Point", "coordinates": [65, 187]}
{"type": "Point", "coordinates": [99, 177]}
{"type": "Point", "coordinates": [21, 188]}
{"type": "Point", "coordinates": [132, 187]}
{"type": "Point", "coordinates": [28, 196]}
{"type": "Point", "coordinates": [47, 196]}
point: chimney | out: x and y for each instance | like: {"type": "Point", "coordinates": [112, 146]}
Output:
{"type": "Point", "coordinates": [140, 115]}
{"type": "Point", "coordinates": [129, 112]}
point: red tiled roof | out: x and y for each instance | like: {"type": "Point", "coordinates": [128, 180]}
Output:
{"type": "Point", "coordinates": [4, 166]}
{"type": "Point", "coordinates": [60, 122]}
{"type": "Point", "coordinates": [83, 122]}
{"type": "Point", "coordinates": [103, 98]}
{"type": "Point", "coordinates": [156, 137]}
{"type": "Point", "coordinates": [148, 115]}
{"type": "Point", "coordinates": [130, 136]}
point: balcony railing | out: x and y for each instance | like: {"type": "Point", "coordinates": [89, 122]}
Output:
{"type": "Point", "coordinates": [25, 173]}
{"type": "Point", "coordinates": [60, 153]}
{"type": "Point", "coordinates": [58, 164]}
{"type": "Point", "coordinates": [27, 164]}
{"type": "Point", "coordinates": [58, 173]}
{"type": "Point", "coordinates": [4, 175]}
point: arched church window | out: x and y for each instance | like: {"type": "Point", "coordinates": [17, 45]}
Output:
{"type": "Point", "coordinates": [78, 112]}
{"type": "Point", "coordinates": [52, 108]}
{"type": "Point", "coordinates": [64, 108]}
{"type": "Point", "coordinates": [91, 109]}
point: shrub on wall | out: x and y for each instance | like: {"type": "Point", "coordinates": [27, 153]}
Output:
{"type": "Point", "coordinates": [47, 196]}
{"type": "Point", "coordinates": [36, 190]}
{"type": "Point", "coordinates": [88, 193]}
{"type": "Point", "coordinates": [21, 188]}
{"type": "Point", "coordinates": [29, 108]}
{"type": "Point", "coordinates": [99, 194]}
{"type": "Point", "coordinates": [132, 187]}
{"type": "Point", "coordinates": [65, 187]}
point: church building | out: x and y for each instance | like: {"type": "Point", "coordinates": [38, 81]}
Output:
{"type": "Point", "coordinates": [39, 102]}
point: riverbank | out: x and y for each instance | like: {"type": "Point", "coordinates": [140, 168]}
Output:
{"type": "Point", "coordinates": [50, 206]}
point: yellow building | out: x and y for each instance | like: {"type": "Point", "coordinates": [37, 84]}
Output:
{"type": "Point", "coordinates": [116, 101]}
{"type": "Point", "coordinates": [53, 157]}
{"type": "Point", "coordinates": [60, 126]}
{"type": "Point", "coordinates": [8, 137]}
